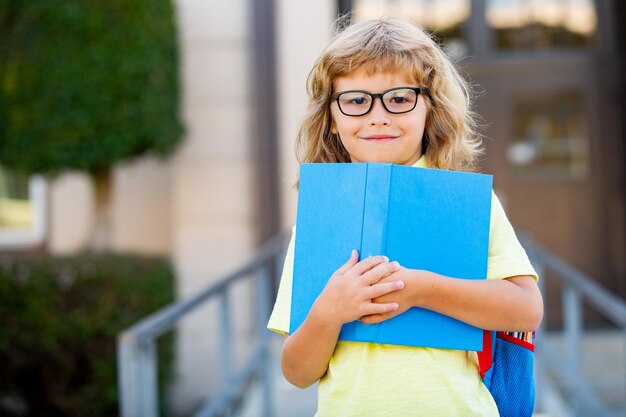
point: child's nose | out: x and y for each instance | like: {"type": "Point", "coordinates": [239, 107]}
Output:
{"type": "Point", "coordinates": [378, 115]}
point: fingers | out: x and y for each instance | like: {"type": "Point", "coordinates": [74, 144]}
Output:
{"type": "Point", "coordinates": [367, 264]}
{"type": "Point", "coordinates": [354, 258]}
{"type": "Point", "coordinates": [380, 271]}
{"type": "Point", "coordinates": [376, 308]}
{"type": "Point", "coordinates": [373, 319]}
{"type": "Point", "coordinates": [378, 290]}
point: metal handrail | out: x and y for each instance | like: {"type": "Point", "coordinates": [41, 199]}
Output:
{"type": "Point", "coordinates": [575, 287]}
{"type": "Point", "coordinates": [137, 353]}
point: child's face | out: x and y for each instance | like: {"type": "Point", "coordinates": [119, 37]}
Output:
{"type": "Point", "coordinates": [380, 136]}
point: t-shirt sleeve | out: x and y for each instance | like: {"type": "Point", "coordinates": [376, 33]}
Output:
{"type": "Point", "coordinates": [279, 319]}
{"type": "Point", "coordinates": [507, 257]}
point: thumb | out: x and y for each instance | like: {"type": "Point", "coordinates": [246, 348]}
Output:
{"type": "Point", "coordinates": [354, 259]}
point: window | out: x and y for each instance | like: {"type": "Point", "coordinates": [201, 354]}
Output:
{"type": "Point", "coordinates": [541, 24]}
{"type": "Point", "coordinates": [22, 210]}
{"type": "Point", "coordinates": [445, 19]}
{"type": "Point", "coordinates": [549, 138]}
{"type": "Point", "coordinates": [507, 25]}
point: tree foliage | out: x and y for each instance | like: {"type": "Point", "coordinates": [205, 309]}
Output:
{"type": "Point", "coordinates": [86, 84]}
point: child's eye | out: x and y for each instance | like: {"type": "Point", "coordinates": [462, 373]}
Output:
{"type": "Point", "coordinates": [398, 100]}
{"type": "Point", "coordinates": [354, 100]}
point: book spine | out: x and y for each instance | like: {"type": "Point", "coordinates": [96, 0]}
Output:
{"type": "Point", "coordinates": [375, 210]}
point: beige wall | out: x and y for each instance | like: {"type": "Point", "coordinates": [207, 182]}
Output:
{"type": "Point", "coordinates": [71, 213]}
{"type": "Point", "coordinates": [141, 210]}
{"type": "Point", "coordinates": [139, 217]}
{"type": "Point", "coordinates": [212, 224]}
{"type": "Point", "coordinates": [304, 28]}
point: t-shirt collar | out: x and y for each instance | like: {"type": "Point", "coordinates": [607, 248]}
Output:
{"type": "Point", "coordinates": [421, 163]}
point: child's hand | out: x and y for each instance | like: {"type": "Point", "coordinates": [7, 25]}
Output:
{"type": "Point", "coordinates": [350, 290]}
{"type": "Point", "coordinates": [404, 298]}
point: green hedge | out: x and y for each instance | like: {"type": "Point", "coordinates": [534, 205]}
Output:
{"type": "Point", "coordinates": [60, 319]}
{"type": "Point", "coordinates": [86, 84]}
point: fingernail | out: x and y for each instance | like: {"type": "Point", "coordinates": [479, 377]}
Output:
{"type": "Point", "coordinates": [386, 259]}
{"type": "Point", "coordinates": [395, 306]}
{"type": "Point", "coordinates": [396, 265]}
{"type": "Point", "coordinates": [400, 284]}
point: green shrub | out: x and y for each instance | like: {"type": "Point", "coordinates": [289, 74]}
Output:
{"type": "Point", "coordinates": [86, 84]}
{"type": "Point", "coordinates": [60, 319]}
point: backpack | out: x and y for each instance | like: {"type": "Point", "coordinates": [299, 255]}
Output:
{"type": "Point", "coordinates": [506, 367]}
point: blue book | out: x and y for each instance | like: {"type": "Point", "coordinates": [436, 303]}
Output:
{"type": "Point", "coordinates": [426, 219]}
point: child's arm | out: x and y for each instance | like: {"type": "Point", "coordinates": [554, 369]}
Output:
{"type": "Point", "coordinates": [512, 304]}
{"type": "Point", "coordinates": [347, 297]}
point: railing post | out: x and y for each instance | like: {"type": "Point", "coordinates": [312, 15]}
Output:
{"type": "Point", "coordinates": [127, 376]}
{"type": "Point", "coordinates": [137, 377]}
{"type": "Point", "coordinates": [148, 358]}
{"type": "Point", "coordinates": [226, 338]}
{"type": "Point", "coordinates": [573, 329]}
{"type": "Point", "coordinates": [264, 281]}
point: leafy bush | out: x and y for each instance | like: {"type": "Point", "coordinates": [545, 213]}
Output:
{"type": "Point", "coordinates": [86, 84]}
{"type": "Point", "coordinates": [60, 319]}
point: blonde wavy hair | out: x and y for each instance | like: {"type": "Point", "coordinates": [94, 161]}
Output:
{"type": "Point", "coordinates": [388, 45]}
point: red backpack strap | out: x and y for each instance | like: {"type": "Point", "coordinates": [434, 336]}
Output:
{"type": "Point", "coordinates": [485, 358]}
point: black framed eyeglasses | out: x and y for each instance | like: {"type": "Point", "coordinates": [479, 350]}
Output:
{"type": "Point", "coordinates": [396, 100]}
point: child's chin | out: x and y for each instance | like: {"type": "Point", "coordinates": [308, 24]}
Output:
{"type": "Point", "coordinates": [382, 159]}
{"type": "Point", "coordinates": [376, 157]}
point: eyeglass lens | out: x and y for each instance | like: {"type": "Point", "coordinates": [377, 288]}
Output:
{"type": "Point", "coordinates": [356, 103]}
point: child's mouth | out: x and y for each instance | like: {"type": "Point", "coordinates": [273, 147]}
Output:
{"type": "Point", "coordinates": [380, 138]}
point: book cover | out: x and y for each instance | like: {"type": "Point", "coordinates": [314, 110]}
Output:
{"type": "Point", "coordinates": [423, 218]}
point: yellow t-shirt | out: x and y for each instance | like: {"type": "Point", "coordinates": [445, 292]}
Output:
{"type": "Point", "coordinates": [370, 379]}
